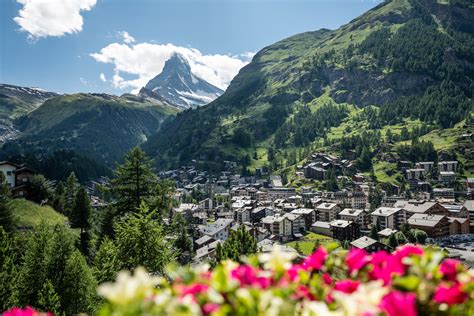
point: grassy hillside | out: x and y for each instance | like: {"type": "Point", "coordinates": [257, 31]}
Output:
{"type": "Point", "coordinates": [27, 214]}
{"type": "Point", "coordinates": [406, 64]}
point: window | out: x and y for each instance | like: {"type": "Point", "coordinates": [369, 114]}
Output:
{"type": "Point", "coordinates": [9, 173]}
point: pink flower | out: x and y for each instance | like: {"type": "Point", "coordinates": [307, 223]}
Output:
{"type": "Point", "coordinates": [27, 311]}
{"type": "Point", "coordinates": [408, 250]}
{"type": "Point", "coordinates": [356, 259]}
{"type": "Point", "coordinates": [327, 279]}
{"type": "Point", "coordinates": [316, 260]}
{"type": "Point", "coordinates": [208, 308]}
{"type": "Point", "coordinates": [385, 266]}
{"type": "Point", "coordinates": [303, 292]}
{"type": "Point", "coordinates": [346, 286]}
{"type": "Point", "coordinates": [399, 304]}
{"type": "Point", "coordinates": [192, 289]}
{"type": "Point", "coordinates": [247, 275]}
{"type": "Point", "coordinates": [449, 295]}
{"type": "Point", "coordinates": [449, 269]}
{"type": "Point", "coordinates": [294, 271]}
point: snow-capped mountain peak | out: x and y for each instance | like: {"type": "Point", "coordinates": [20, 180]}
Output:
{"type": "Point", "coordinates": [179, 86]}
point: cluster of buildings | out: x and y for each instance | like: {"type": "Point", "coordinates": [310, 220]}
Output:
{"type": "Point", "coordinates": [274, 213]}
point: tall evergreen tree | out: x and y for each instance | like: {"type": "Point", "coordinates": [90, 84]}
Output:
{"type": "Point", "coordinates": [70, 193]}
{"type": "Point", "coordinates": [134, 181]}
{"type": "Point", "coordinates": [106, 263]}
{"type": "Point", "coordinates": [162, 199]}
{"type": "Point", "coordinates": [48, 299]}
{"type": "Point", "coordinates": [140, 241]}
{"type": "Point", "coordinates": [8, 272]}
{"type": "Point", "coordinates": [6, 217]}
{"type": "Point", "coordinates": [79, 296]}
{"type": "Point", "coordinates": [79, 217]}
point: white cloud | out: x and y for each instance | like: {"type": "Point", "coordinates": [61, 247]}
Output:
{"type": "Point", "coordinates": [102, 77]}
{"type": "Point", "coordinates": [42, 18]}
{"type": "Point", "coordinates": [146, 60]}
{"type": "Point", "coordinates": [127, 38]}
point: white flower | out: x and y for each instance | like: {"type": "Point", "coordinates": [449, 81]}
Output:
{"type": "Point", "coordinates": [184, 306]}
{"type": "Point", "coordinates": [311, 308]}
{"type": "Point", "coordinates": [366, 299]}
{"type": "Point", "coordinates": [277, 259]}
{"type": "Point", "coordinates": [129, 287]}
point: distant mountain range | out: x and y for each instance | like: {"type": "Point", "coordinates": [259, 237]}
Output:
{"type": "Point", "coordinates": [177, 85]}
{"type": "Point", "coordinates": [16, 101]}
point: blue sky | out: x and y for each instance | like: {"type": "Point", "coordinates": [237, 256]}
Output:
{"type": "Point", "coordinates": [52, 48]}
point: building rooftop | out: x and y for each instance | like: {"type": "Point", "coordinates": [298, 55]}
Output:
{"type": "Point", "coordinates": [386, 211]}
{"type": "Point", "coordinates": [363, 242]}
{"type": "Point", "coordinates": [428, 220]}
{"type": "Point", "coordinates": [340, 223]}
{"type": "Point", "coordinates": [351, 212]}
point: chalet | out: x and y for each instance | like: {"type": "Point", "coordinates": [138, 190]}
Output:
{"type": "Point", "coordinates": [219, 230]}
{"type": "Point", "coordinates": [17, 177]}
{"type": "Point", "coordinates": [458, 226]}
{"type": "Point", "coordinates": [387, 232]}
{"type": "Point", "coordinates": [322, 228]}
{"type": "Point", "coordinates": [368, 244]}
{"type": "Point", "coordinates": [435, 226]}
{"type": "Point", "coordinates": [358, 216]}
{"type": "Point", "coordinates": [469, 205]}
{"type": "Point", "coordinates": [447, 177]}
{"type": "Point", "coordinates": [421, 207]}
{"type": "Point", "coordinates": [415, 174]}
{"type": "Point", "coordinates": [327, 211]}
{"type": "Point", "coordinates": [447, 166]}
{"type": "Point", "coordinates": [443, 193]}
{"type": "Point", "coordinates": [426, 165]}
{"type": "Point", "coordinates": [311, 171]}
{"type": "Point", "coordinates": [344, 230]}
{"type": "Point", "coordinates": [295, 223]}
{"type": "Point", "coordinates": [308, 214]}
{"type": "Point", "coordinates": [388, 217]}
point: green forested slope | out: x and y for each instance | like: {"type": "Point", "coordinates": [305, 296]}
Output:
{"type": "Point", "coordinates": [403, 61]}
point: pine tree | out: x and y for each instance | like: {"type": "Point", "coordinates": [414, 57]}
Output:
{"type": "Point", "coordinates": [48, 299]}
{"type": "Point", "coordinates": [392, 241]}
{"type": "Point", "coordinates": [6, 217]}
{"type": "Point", "coordinates": [162, 199]}
{"type": "Point", "coordinates": [79, 217]}
{"type": "Point", "coordinates": [374, 233]}
{"type": "Point", "coordinates": [134, 181]}
{"type": "Point", "coordinates": [70, 191]}
{"type": "Point", "coordinates": [39, 189]}
{"type": "Point", "coordinates": [140, 241]}
{"type": "Point", "coordinates": [106, 263]}
{"type": "Point", "coordinates": [79, 296]}
{"type": "Point", "coordinates": [8, 272]}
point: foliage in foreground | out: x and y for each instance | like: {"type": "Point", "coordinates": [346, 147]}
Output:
{"type": "Point", "coordinates": [410, 281]}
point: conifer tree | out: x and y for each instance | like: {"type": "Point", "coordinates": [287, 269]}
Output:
{"type": "Point", "coordinates": [392, 241]}
{"type": "Point", "coordinates": [6, 216]}
{"type": "Point", "coordinates": [70, 193]}
{"type": "Point", "coordinates": [140, 241]}
{"type": "Point", "coordinates": [134, 181]}
{"type": "Point", "coordinates": [374, 232]}
{"type": "Point", "coordinates": [8, 272]}
{"type": "Point", "coordinates": [48, 299]}
{"type": "Point", "coordinates": [79, 217]}
{"type": "Point", "coordinates": [106, 263]}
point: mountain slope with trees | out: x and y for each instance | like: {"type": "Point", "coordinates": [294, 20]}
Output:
{"type": "Point", "coordinates": [403, 60]}
{"type": "Point", "coordinates": [98, 126]}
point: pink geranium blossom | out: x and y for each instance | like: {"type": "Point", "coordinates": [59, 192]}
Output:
{"type": "Point", "coordinates": [449, 269]}
{"type": "Point", "coordinates": [356, 259]}
{"type": "Point", "coordinates": [316, 260]}
{"type": "Point", "coordinates": [27, 311]}
{"type": "Point", "coordinates": [192, 289]}
{"type": "Point", "coordinates": [347, 286]}
{"type": "Point", "coordinates": [399, 304]}
{"type": "Point", "coordinates": [449, 295]}
{"type": "Point", "coordinates": [209, 308]}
